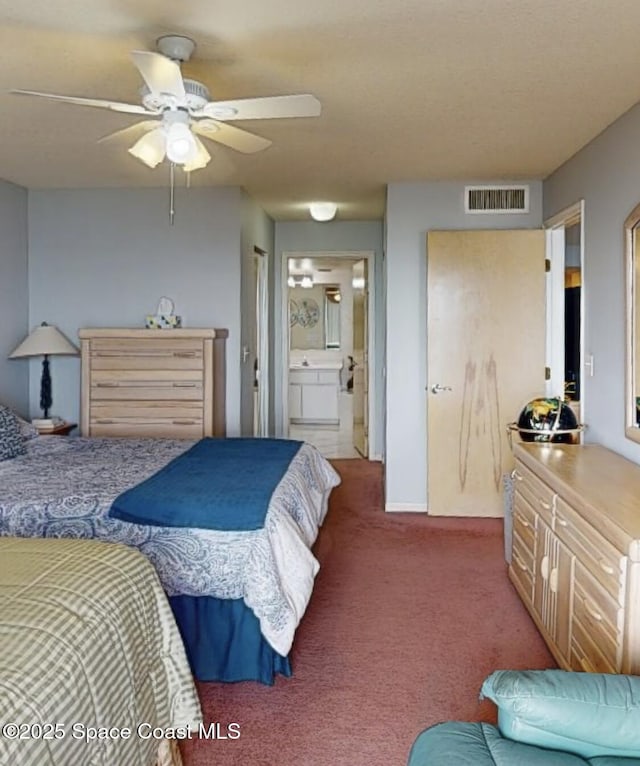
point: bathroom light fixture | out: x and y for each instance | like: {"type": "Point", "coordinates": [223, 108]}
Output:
{"type": "Point", "coordinates": [323, 211]}
{"type": "Point", "coordinates": [306, 281]}
{"type": "Point", "coordinates": [291, 281]}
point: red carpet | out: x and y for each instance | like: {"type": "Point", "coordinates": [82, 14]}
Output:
{"type": "Point", "coordinates": [408, 616]}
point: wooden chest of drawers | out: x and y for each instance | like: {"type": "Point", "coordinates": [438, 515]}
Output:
{"type": "Point", "coordinates": [576, 553]}
{"type": "Point", "coordinates": [160, 383]}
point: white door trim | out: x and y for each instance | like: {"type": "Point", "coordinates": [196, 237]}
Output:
{"type": "Point", "coordinates": [262, 322]}
{"type": "Point", "coordinates": [354, 255]}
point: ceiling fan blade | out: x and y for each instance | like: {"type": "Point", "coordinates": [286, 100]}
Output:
{"type": "Point", "coordinates": [162, 75]}
{"type": "Point", "coordinates": [131, 130]}
{"type": "Point", "coordinates": [269, 107]}
{"type": "Point", "coordinates": [228, 135]}
{"type": "Point", "coordinates": [115, 106]}
{"type": "Point", "coordinates": [151, 148]}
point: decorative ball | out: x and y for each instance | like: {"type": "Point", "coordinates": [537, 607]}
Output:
{"type": "Point", "coordinates": [548, 420]}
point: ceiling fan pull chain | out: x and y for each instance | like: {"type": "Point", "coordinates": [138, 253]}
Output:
{"type": "Point", "coordinates": [172, 211]}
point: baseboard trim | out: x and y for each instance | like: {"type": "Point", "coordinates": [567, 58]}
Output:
{"type": "Point", "coordinates": [405, 508]}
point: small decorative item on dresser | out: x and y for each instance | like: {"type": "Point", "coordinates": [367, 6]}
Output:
{"type": "Point", "coordinates": [164, 318]}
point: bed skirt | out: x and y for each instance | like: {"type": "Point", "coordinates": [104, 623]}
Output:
{"type": "Point", "coordinates": [223, 641]}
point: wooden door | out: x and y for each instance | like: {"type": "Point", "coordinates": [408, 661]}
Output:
{"type": "Point", "coordinates": [360, 358]}
{"type": "Point", "coordinates": [486, 358]}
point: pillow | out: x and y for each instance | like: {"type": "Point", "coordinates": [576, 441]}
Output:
{"type": "Point", "coordinates": [28, 430]}
{"type": "Point", "coordinates": [11, 439]}
{"type": "Point", "coordinates": [588, 714]}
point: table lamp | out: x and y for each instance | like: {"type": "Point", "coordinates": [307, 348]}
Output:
{"type": "Point", "coordinates": [46, 340]}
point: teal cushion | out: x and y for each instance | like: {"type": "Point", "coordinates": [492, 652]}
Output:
{"type": "Point", "coordinates": [590, 714]}
{"type": "Point", "coordinates": [480, 744]}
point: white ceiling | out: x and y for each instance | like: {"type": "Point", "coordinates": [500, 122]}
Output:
{"type": "Point", "coordinates": [411, 90]}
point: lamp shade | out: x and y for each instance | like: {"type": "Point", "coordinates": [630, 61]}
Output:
{"type": "Point", "coordinates": [44, 340]}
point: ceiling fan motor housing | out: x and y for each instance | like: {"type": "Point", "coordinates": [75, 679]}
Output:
{"type": "Point", "coordinates": [176, 47]}
{"type": "Point", "coordinates": [197, 96]}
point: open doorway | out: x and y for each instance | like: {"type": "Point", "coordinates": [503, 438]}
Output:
{"type": "Point", "coordinates": [326, 380]}
{"type": "Point", "coordinates": [566, 360]}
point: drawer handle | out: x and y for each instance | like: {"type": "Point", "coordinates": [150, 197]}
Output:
{"type": "Point", "coordinates": [184, 422]}
{"type": "Point", "coordinates": [104, 421]}
{"type": "Point", "coordinates": [184, 385]}
{"type": "Point", "coordinates": [516, 475]}
{"type": "Point", "coordinates": [544, 567]}
{"type": "Point", "coordinates": [546, 506]}
{"type": "Point", "coordinates": [521, 520]}
{"type": "Point", "coordinates": [553, 580]}
{"type": "Point", "coordinates": [107, 385]}
{"type": "Point", "coordinates": [591, 611]}
{"type": "Point", "coordinates": [606, 567]}
{"type": "Point", "coordinates": [184, 354]}
{"type": "Point", "coordinates": [562, 522]}
{"type": "Point", "coordinates": [519, 562]}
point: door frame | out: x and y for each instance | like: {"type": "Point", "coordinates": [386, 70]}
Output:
{"type": "Point", "coordinates": [261, 417]}
{"type": "Point", "coordinates": [351, 255]}
{"type": "Point", "coordinates": [555, 251]}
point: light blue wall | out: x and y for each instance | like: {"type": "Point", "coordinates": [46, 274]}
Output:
{"type": "Point", "coordinates": [412, 210]}
{"type": "Point", "coordinates": [606, 174]}
{"type": "Point", "coordinates": [103, 258]}
{"type": "Point", "coordinates": [14, 295]}
{"type": "Point", "coordinates": [333, 236]}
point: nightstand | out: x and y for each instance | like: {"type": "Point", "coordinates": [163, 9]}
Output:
{"type": "Point", "coordinates": [64, 429]}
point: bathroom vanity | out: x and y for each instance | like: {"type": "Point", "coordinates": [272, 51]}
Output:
{"type": "Point", "coordinates": [314, 393]}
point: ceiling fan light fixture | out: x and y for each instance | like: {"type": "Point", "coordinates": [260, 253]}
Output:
{"type": "Point", "coordinates": [201, 160]}
{"type": "Point", "coordinates": [323, 211]}
{"type": "Point", "coordinates": [181, 144]}
{"type": "Point", "coordinates": [150, 149]}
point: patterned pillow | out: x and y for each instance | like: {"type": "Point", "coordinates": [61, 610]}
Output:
{"type": "Point", "coordinates": [28, 430]}
{"type": "Point", "coordinates": [11, 439]}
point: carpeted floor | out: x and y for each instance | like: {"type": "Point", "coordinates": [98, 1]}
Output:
{"type": "Point", "coordinates": [408, 615]}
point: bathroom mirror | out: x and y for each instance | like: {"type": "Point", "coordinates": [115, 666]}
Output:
{"type": "Point", "coordinates": [332, 298]}
{"type": "Point", "coordinates": [632, 389]}
{"type": "Point", "coordinates": [314, 317]}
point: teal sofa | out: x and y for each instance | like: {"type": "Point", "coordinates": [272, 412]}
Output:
{"type": "Point", "coordinates": [545, 718]}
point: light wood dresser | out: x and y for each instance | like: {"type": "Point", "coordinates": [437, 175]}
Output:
{"type": "Point", "coordinates": [161, 383]}
{"type": "Point", "coordinates": [576, 552]}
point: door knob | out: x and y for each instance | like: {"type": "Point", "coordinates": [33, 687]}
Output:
{"type": "Point", "coordinates": [436, 388]}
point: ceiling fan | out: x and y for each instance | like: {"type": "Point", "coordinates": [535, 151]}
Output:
{"type": "Point", "coordinates": [180, 110]}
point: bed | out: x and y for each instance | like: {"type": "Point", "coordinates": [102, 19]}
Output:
{"type": "Point", "coordinates": [238, 596]}
{"type": "Point", "coordinates": [88, 642]}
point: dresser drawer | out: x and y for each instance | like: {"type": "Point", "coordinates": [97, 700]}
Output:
{"type": "Point", "coordinates": [536, 492]}
{"type": "Point", "coordinates": [146, 392]}
{"type": "Point", "coordinates": [161, 346]}
{"type": "Point", "coordinates": [524, 522]}
{"type": "Point", "coordinates": [522, 565]}
{"type": "Point", "coordinates": [175, 360]}
{"type": "Point", "coordinates": [607, 564]}
{"type": "Point", "coordinates": [585, 656]}
{"type": "Point", "coordinates": [598, 615]}
{"type": "Point", "coordinates": [169, 428]}
{"type": "Point", "coordinates": [146, 410]}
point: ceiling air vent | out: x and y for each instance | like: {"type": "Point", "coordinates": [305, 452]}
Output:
{"type": "Point", "coordinates": [496, 199]}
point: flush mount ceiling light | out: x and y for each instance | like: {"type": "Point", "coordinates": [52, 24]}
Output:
{"type": "Point", "coordinates": [323, 211]}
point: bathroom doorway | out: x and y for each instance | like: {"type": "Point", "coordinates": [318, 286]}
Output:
{"type": "Point", "coordinates": [326, 349]}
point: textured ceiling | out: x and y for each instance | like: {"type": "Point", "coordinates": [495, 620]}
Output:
{"type": "Point", "coordinates": [411, 90]}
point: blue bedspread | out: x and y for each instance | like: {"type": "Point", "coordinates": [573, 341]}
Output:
{"type": "Point", "coordinates": [222, 484]}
